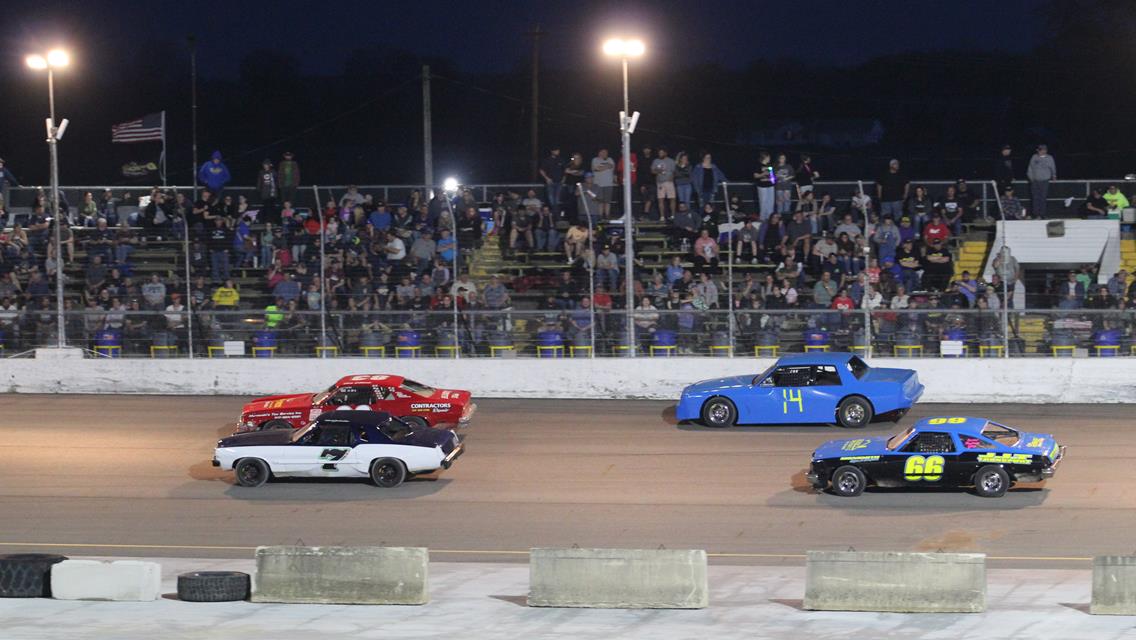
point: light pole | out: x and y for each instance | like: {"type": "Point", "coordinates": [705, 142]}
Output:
{"type": "Point", "coordinates": [450, 187]}
{"type": "Point", "coordinates": [55, 59]}
{"type": "Point", "coordinates": [626, 49]}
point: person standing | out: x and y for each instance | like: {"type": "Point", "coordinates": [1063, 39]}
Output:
{"type": "Point", "coordinates": [1004, 169]}
{"type": "Point", "coordinates": [214, 174]}
{"type": "Point", "coordinates": [7, 181]}
{"type": "Point", "coordinates": [1041, 171]}
{"type": "Point", "coordinates": [552, 171]}
{"type": "Point", "coordinates": [683, 178]}
{"type": "Point", "coordinates": [268, 185]}
{"type": "Point", "coordinates": [663, 168]}
{"type": "Point", "coordinates": [763, 181]}
{"type": "Point", "coordinates": [892, 191]}
{"type": "Point", "coordinates": [783, 189]}
{"type": "Point", "coordinates": [288, 176]}
{"type": "Point", "coordinates": [603, 177]}
{"type": "Point", "coordinates": [706, 176]}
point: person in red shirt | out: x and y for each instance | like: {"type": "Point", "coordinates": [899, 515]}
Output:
{"type": "Point", "coordinates": [843, 302]}
{"type": "Point", "coordinates": [936, 229]}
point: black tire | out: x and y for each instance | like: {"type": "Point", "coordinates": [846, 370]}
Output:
{"type": "Point", "coordinates": [213, 586]}
{"type": "Point", "coordinates": [416, 422]}
{"type": "Point", "coordinates": [388, 472]}
{"type": "Point", "coordinates": [27, 575]}
{"type": "Point", "coordinates": [275, 424]}
{"type": "Point", "coordinates": [991, 481]}
{"type": "Point", "coordinates": [848, 481]}
{"type": "Point", "coordinates": [854, 412]}
{"type": "Point", "coordinates": [719, 412]}
{"type": "Point", "coordinates": [252, 472]}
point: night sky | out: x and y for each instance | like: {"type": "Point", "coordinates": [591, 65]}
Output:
{"type": "Point", "coordinates": [490, 36]}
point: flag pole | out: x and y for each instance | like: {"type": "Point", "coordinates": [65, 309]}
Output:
{"type": "Point", "coordinates": [162, 160]}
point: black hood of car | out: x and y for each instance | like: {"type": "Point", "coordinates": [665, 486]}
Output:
{"type": "Point", "coordinates": [257, 438]}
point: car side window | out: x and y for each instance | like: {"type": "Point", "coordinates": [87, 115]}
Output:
{"type": "Point", "coordinates": [930, 442]}
{"type": "Point", "coordinates": [825, 376]}
{"type": "Point", "coordinates": [384, 393]}
{"type": "Point", "coordinates": [335, 436]}
{"type": "Point", "coordinates": [353, 396]}
{"type": "Point", "coordinates": [975, 442]}
{"type": "Point", "coordinates": [792, 376]}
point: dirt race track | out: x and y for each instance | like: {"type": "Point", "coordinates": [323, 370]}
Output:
{"type": "Point", "coordinates": [131, 475]}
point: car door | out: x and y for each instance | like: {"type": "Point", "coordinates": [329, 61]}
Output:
{"type": "Point", "coordinates": [823, 393]}
{"type": "Point", "coordinates": [779, 398]}
{"type": "Point", "coordinates": [928, 459]}
{"type": "Point", "coordinates": [321, 451]}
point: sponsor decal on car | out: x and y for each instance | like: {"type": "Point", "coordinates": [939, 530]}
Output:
{"type": "Point", "coordinates": [1006, 458]}
{"type": "Point", "coordinates": [860, 458]}
{"type": "Point", "coordinates": [433, 407]}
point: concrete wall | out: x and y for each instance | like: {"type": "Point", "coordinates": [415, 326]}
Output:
{"type": "Point", "coordinates": [1034, 380]}
{"type": "Point", "coordinates": [1114, 585]}
{"type": "Point", "coordinates": [341, 575]}
{"type": "Point", "coordinates": [895, 582]}
{"type": "Point", "coordinates": [618, 578]}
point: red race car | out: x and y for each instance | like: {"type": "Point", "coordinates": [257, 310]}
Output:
{"type": "Point", "coordinates": [416, 403]}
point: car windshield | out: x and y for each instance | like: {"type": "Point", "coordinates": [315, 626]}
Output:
{"type": "Point", "coordinates": [323, 395]}
{"type": "Point", "coordinates": [1000, 433]}
{"type": "Point", "coordinates": [763, 375]}
{"type": "Point", "coordinates": [417, 387]}
{"type": "Point", "coordinates": [396, 429]}
{"type": "Point", "coordinates": [899, 438]}
{"type": "Point", "coordinates": [857, 366]}
{"type": "Point", "coordinates": [298, 434]}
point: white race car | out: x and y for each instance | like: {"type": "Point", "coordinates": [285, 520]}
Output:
{"type": "Point", "coordinates": [339, 444]}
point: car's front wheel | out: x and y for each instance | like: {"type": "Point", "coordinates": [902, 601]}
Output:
{"type": "Point", "coordinates": [252, 472]}
{"type": "Point", "coordinates": [719, 412]}
{"type": "Point", "coordinates": [388, 472]}
{"type": "Point", "coordinates": [848, 481]}
{"type": "Point", "coordinates": [854, 412]}
{"type": "Point", "coordinates": [275, 424]}
{"type": "Point", "coordinates": [991, 481]}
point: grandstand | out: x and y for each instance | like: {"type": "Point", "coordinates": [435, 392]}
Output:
{"type": "Point", "coordinates": [774, 309]}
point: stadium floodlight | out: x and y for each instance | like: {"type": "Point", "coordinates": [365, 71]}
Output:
{"type": "Point", "coordinates": [54, 59]}
{"type": "Point", "coordinates": [624, 48]}
{"type": "Point", "coordinates": [450, 185]}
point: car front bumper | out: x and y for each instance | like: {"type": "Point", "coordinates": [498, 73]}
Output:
{"type": "Point", "coordinates": [467, 413]}
{"type": "Point", "coordinates": [1049, 471]}
{"type": "Point", "coordinates": [216, 462]}
{"type": "Point", "coordinates": [448, 461]}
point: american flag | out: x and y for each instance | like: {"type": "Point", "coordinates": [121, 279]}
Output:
{"type": "Point", "coordinates": [148, 127]}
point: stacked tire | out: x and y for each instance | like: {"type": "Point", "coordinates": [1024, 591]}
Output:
{"type": "Point", "coordinates": [213, 586]}
{"type": "Point", "coordinates": [27, 575]}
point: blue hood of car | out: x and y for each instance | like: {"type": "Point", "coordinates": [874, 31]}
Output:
{"type": "Point", "coordinates": [873, 446]}
{"type": "Point", "coordinates": [719, 384]}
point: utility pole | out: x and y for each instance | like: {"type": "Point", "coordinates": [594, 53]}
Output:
{"type": "Point", "coordinates": [534, 132]}
{"type": "Point", "coordinates": [427, 133]}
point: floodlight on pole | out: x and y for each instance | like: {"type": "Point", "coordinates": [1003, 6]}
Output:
{"type": "Point", "coordinates": [625, 49]}
{"type": "Point", "coordinates": [450, 185]}
{"type": "Point", "coordinates": [54, 59]}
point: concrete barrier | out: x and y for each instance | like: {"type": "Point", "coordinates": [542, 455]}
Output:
{"type": "Point", "coordinates": [341, 575]}
{"type": "Point", "coordinates": [1114, 586]}
{"type": "Point", "coordinates": [898, 582]}
{"type": "Point", "coordinates": [120, 581]}
{"type": "Point", "coordinates": [618, 578]}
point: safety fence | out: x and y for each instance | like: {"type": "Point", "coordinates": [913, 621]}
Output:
{"type": "Point", "coordinates": [575, 333]}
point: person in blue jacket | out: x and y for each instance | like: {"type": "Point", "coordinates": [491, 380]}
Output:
{"type": "Point", "coordinates": [214, 174]}
{"type": "Point", "coordinates": [705, 177]}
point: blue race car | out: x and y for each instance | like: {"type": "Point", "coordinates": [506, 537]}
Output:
{"type": "Point", "coordinates": [804, 389]}
{"type": "Point", "coordinates": [937, 452]}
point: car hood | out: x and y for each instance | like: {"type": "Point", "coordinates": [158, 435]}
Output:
{"type": "Point", "coordinates": [1041, 444]}
{"type": "Point", "coordinates": [719, 384]}
{"type": "Point", "coordinates": [275, 403]}
{"type": "Point", "coordinates": [272, 437]}
{"type": "Point", "coordinates": [852, 447]}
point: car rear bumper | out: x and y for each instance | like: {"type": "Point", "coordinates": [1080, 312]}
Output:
{"type": "Point", "coordinates": [216, 462]}
{"type": "Point", "coordinates": [448, 461]}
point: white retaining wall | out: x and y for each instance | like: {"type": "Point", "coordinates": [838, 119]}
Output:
{"type": "Point", "coordinates": [1033, 380]}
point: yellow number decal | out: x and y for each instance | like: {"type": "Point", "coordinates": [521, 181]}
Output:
{"type": "Point", "coordinates": [919, 468]}
{"type": "Point", "coordinates": [1036, 442]}
{"type": "Point", "coordinates": [790, 396]}
{"type": "Point", "coordinates": [853, 445]}
{"type": "Point", "coordinates": [946, 421]}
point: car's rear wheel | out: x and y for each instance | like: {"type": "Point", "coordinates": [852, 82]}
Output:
{"type": "Point", "coordinates": [719, 412]}
{"type": "Point", "coordinates": [848, 481]}
{"type": "Point", "coordinates": [388, 472]}
{"type": "Point", "coordinates": [252, 472]}
{"type": "Point", "coordinates": [991, 481]}
{"type": "Point", "coordinates": [275, 424]}
{"type": "Point", "coordinates": [416, 422]}
{"type": "Point", "coordinates": [854, 412]}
